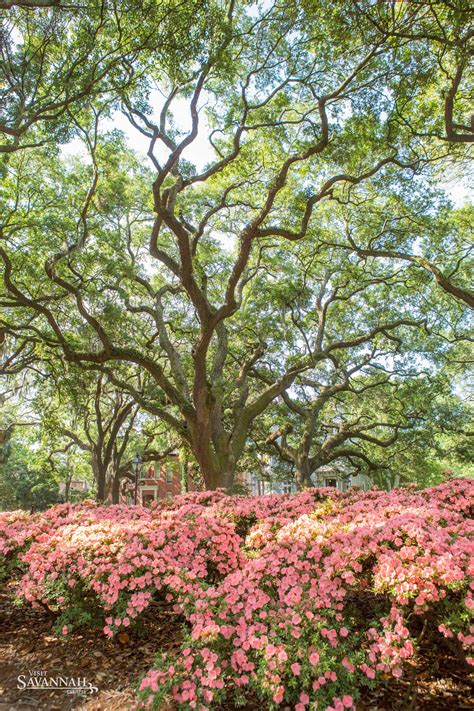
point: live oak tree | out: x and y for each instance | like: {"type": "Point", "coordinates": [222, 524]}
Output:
{"type": "Point", "coordinates": [443, 35]}
{"type": "Point", "coordinates": [80, 412]}
{"type": "Point", "coordinates": [363, 425]}
{"type": "Point", "coordinates": [26, 478]}
{"type": "Point", "coordinates": [332, 429]}
{"type": "Point", "coordinates": [392, 426]}
{"type": "Point", "coordinates": [438, 443]}
{"type": "Point", "coordinates": [71, 424]}
{"type": "Point", "coordinates": [159, 269]}
{"type": "Point", "coordinates": [369, 342]}
{"type": "Point", "coordinates": [56, 54]}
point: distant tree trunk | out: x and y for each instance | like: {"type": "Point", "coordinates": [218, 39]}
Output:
{"type": "Point", "coordinates": [67, 489]}
{"type": "Point", "coordinates": [69, 475]}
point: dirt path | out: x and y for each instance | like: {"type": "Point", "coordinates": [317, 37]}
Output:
{"type": "Point", "coordinates": [27, 644]}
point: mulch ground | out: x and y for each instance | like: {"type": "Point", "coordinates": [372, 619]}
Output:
{"type": "Point", "coordinates": [437, 683]}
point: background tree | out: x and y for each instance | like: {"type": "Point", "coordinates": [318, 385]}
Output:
{"type": "Point", "coordinates": [81, 411]}
{"type": "Point", "coordinates": [389, 432]}
{"type": "Point", "coordinates": [26, 481]}
{"type": "Point", "coordinates": [370, 361]}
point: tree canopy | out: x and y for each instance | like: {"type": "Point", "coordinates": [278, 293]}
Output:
{"type": "Point", "coordinates": [282, 267]}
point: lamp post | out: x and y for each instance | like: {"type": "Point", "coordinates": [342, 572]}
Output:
{"type": "Point", "coordinates": [137, 460]}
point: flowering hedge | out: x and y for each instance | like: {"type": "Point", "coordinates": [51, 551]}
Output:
{"type": "Point", "coordinates": [294, 600]}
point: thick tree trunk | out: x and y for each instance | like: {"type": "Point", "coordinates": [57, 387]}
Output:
{"type": "Point", "coordinates": [212, 467]}
{"type": "Point", "coordinates": [113, 477]}
{"type": "Point", "coordinates": [101, 480]}
{"type": "Point", "coordinates": [217, 475]}
{"type": "Point", "coordinates": [216, 479]}
{"type": "Point", "coordinates": [217, 450]}
{"type": "Point", "coordinates": [228, 476]}
{"type": "Point", "coordinates": [303, 473]}
{"type": "Point", "coordinates": [100, 475]}
{"type": "Point", "coordinates": [116, 488]}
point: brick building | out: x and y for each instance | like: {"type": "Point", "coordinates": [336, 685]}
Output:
{"type": "Point", "coordinates": [76, 486]}
{"type": "Point", "coordinates": [163, 481]}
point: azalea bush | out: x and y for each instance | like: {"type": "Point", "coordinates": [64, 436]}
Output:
{"type": "Point", "coordinates": [117, 566]}
{"type": "Point", "coordinates": [297, 600]}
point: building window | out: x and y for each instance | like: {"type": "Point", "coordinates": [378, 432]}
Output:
{"type": "Point", "coordinates": [169, 495]}
{"type": "Point", "coordinates": [169, 476]}
{"type": "Point", "coordinates": [330, 482]}
{"type": "Point", "coordinates": [151, 472]}
{"type": "Point", "coordinates": [287, 487]}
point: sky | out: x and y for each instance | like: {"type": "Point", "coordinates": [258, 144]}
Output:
{"type": "Point", "coordinates": [199, 152]}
